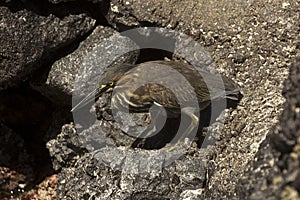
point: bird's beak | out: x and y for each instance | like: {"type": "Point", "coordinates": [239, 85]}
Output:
{"type": "Point", "coordinates": [90, 97]}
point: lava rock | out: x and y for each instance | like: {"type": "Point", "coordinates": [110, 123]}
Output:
{"type": "Point", "coordinates": [65, 74]}
{"type": "Point", "coordinates": [288, 130]}
{"type": "Point", "coordinates": [184, 16]}
{"type": "Point", "coordinates": [275, 172]}
{"type": "Point", "coordinates": [28, 39]}
{"type": "Point", "coordinates": [66, 148]}
{"type": "Point", "coordinates": [178, 179]}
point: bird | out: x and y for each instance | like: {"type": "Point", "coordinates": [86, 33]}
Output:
{"type": "Point", "coordinates": [138, 87]}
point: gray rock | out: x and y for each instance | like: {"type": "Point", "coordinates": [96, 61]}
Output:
{"type": "Point", "coordinates": [114, 50]}
{"type": "Point", "coordinates": [66, 148]}
{"type": "Point", "coordinates": [27, 39]}
{"type": "Point", "coordinates": [238, 35]}
{"type": "Point", "coordinates": [252, 42]}
{"type": "Point", "coordinates": [261, 78]}
{"type": "Point", "coordinates": [275, 172]}
{"type": "Point", "coordinates": [90, 177]}
{"type": "Point", "coordinates": [89, 56]}
{"type": "Point", "coordinates": [189, 17]}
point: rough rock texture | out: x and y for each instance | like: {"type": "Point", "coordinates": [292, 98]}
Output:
{"type": "Point", "coordinates": [65, 147]}
{"type": "Point", "coordinates": [275, 172]}
{"type": "Point", "coordinates": [191, 17]}
{"type": "Point", "coordinates": [62, 76]}
{"type": "Point", "coordinates": [253, 42]}
{"type": "Point", "coordinates": [88, 173]}
{"type": "Point", "coordinates": [31, 38]}
{"type": "Point", "coordinates": [250, 43]}
{"type": "Point", "coordinates": [89, 177]}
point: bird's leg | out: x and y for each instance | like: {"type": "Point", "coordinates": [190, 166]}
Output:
{"type": "Point", "coordinates": [158, 118]}
{"type": "Point", "coordinates": [183, 132]}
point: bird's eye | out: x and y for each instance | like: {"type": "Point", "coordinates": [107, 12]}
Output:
{"type": "Point", "coordinates": [111, 84]}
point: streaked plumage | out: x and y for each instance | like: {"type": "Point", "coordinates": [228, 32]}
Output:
{"type": "Point", "coordinates": [144, 97]}
{"type": "Point", "coordinates": [122, 80]}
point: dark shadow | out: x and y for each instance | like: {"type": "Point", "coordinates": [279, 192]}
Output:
{"type": "Point", "coordinates": [154, 45]}
{"type": "Point", "coordinates": [28, 115]}
{"type": "Point", "coordinates": [153, 54]}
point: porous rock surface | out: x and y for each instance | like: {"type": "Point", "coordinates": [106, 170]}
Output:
{"type": "Point", "coordinates": [252, 42]}
{"type": "Point", "coordinates": [31, 38]}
